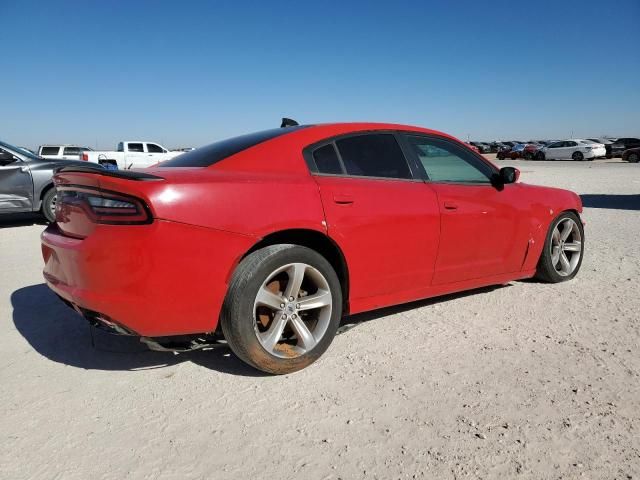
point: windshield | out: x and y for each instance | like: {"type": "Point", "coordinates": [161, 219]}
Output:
{"type": "Point", "coordinates": [210, 154]}
{"type": "Point", "coordinates": [19, 151]}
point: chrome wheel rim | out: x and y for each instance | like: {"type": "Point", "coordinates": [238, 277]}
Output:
{"type": "Point", "coordinates": [52, 206]}
{"type": "Point", "coordinates": [292, 310]}
{"type": "Point", "coordinates": [566, 247]}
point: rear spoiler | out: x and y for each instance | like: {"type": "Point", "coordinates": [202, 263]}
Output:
{"type": "Point", "coordinates": [98, 170]}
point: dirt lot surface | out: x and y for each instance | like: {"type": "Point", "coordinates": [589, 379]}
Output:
{"type": "Point", "coordinates": [526, 380]}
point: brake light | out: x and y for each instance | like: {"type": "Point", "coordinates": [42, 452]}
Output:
{"type": "Point", "coordinates": [84, 156]}
{"type": "Point", "coordinates": [102, 207]}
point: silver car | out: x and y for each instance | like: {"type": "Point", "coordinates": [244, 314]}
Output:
{"type": "Point", "coordinates": [26, 181]}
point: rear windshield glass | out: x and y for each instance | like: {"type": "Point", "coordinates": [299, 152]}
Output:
{"type": "Point", "coordinates": [210, 154]}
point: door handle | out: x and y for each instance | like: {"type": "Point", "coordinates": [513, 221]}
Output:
{"type": "Point", "coordinates": [450, 206]}
{"type": "Point", "coordinates": [343, 199]}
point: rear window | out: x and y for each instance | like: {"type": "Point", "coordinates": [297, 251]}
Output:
{"type": "Point", "coordinates": [327, 160]}
{"type": "Point", "coordinates": [49, 150]}
{"type": "Point", "coordinates": [153, 148]}
{"type": "Point", "coordinates": [211, 154]}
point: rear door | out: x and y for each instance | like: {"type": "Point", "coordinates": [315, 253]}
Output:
{"type": "Point", "coordinates": [16, 184]}
{"type": "Point", "coordinates": [380, 214]}
{"type": "Point", "coordinates": [71, 153]}
{"type": "Point", "coordinates": [483, 228]}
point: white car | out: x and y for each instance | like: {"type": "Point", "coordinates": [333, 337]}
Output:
{"type": "Point", "coordinates": [61, 152]}
{"type": "Point", "coordinates": [130, 154]}
{"type": "Point", "coordinates": [573, 149]}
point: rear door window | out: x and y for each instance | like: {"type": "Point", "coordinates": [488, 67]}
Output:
{"type": "Point", "coordinates": [373, 155]}
{"type": "Point", "coordinates": [327, 161]}
{"type": "Point", "coordinates": [71, 151]}
{"type": "Point", "coordinates": [49, 150]}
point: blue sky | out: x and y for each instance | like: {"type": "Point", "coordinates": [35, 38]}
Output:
{"type": "Point", "coordinates": [189, 73]}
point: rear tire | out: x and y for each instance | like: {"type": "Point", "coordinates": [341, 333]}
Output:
{"type": "Point", "coordinates": [577, 156]}
{"type": "Point", "coordinates": [270, 320]}
{"type": "Point", "coordinates": [633, 158]}
{"type": "Point", "coordinates": [563, 249]}
{"type": "Point", "coordinates": [540, 156]}
{"type": "Point", "coordinates": [48, 208]}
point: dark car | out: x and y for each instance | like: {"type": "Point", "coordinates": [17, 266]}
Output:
{"type": "Point", "coordinates": [620, 145]}
{"type": "Point", "coordinates": [632, 155]}
{"type": "Point", "coordinates": [481, 146]}
{"type": "Point", "coordinates": [26, 181]}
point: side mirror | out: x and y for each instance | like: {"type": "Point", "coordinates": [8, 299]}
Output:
{"type": "Point", "coordinates": [509, 175]}
{"type": "Point", "coordinates": [6, 158]}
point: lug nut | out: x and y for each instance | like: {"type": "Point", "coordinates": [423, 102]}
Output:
{"type": "Point", "coordinates": [291, 299]}
{"type": "Point", "coordinates": [284, 317]}
{"type": "Point", "coordinates": [282, 305]}
{"type": "Point", "coordinates": [294, 316]}
{"type": "Point", "coordinates": [297, 305]}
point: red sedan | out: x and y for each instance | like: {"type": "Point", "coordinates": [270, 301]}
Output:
{"type": "Point", "coordinates": [270, 238]}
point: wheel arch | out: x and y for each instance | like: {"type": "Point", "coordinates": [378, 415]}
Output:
{"type": "Point", "coordinates": [43, 191]}
{"type": "Point", "coordinates": [318, 242]}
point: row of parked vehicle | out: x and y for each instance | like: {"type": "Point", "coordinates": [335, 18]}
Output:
{"type": "Point", "coordinates": [572, 149]}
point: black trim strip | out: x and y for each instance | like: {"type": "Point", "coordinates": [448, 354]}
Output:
{"type": "Point", "coordinates": [98, 170]}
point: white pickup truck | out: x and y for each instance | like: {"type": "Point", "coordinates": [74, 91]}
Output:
{"type": "Point", "coordinates": [133, 154]}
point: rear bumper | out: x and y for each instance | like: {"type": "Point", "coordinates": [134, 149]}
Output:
{"type": "Point", "coordinates": [161, 279]}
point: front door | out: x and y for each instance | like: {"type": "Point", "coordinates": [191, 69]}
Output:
{"type": "Point", "coordinates": [380, 214]}
{"type": "Point", "coordinates": [16, 186]}
{"type": "Point", "coordinates": [483, 229]}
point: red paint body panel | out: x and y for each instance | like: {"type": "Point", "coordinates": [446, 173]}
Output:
{"type": "Point", "coordinates": [402, 240]}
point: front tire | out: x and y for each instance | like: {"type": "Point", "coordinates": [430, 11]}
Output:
{"type": "Point", "coordinates": [563, 249]}
{"type": "Point", "coordinates": [283, 308]}
{"type": "Point", "coordinates": [48, 208]}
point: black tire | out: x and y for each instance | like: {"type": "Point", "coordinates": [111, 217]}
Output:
{"type": "Point", "coordinates": [540, 156]}
{"type": "Point", "coordinates": [577, 156]}
{"type": "Point", "coordinates": [633, 158]}
{"type": "Point", "coordinates": [48, 205]}
{"type": "Point", "coordinates": [237, 318]}
{"type": "Point", "coordinates": [546, 272]}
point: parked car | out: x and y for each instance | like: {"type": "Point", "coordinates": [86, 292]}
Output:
{"type": "Point", "coordinates": [622, 144]}
{"type": "Point", "coordinates": [496, 146]}
{"type": "Point", "coordinates": [632, 155]}
{"type": "Point", "coordinates": [530, 150]}
{"type": "Point", "coordinates": [482, 147]}
{"type": "Point", "coordinates": [573, 149]}
{"type": "Point", "coordinates": [607, 142]}
{"type": "Point", "coordinates": [61, 152]}
{"type": "Point", "coordinates": [211, 246]}
{"type": "Point", "coordinates": [513, 152]}
{"type": "Point", "coordinates": [26, 181]}
{"type": "Point", "coordinates": [472, 147]}
{"type": "Point", "coordinates": [130, 154]}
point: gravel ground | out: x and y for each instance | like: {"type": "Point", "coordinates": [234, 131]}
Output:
{"type": "Point", "coordinates": [526, 380]}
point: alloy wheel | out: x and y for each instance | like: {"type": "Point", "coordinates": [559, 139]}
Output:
{"type": "Point", "coordinates": [292, 310]}
{"type": "Point", "coordinates": [566, 246]}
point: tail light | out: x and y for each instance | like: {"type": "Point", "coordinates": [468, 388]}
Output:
{"type": "Point", "coordinates": [102, 207]}
{"type": "Point", "coordinates": [84, 156]}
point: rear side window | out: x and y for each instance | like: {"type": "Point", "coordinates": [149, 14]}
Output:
{"type": "Point", "coordinates": [153, 148]}
{"type": "Point", "coordinates": [373, 155]}
{"type": "Point", "coordinates": [326, 160]}
{"type": "Point", "coordinates": [49, 150]}
{"type": "Point", "coordinates": [71, 151]}
{"type": "Point", "coordinates": [211, 154]}
{"type": "Point", "coordinates": [135, 147]}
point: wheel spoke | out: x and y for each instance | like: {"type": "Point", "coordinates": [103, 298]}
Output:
{"type": "Point", "coordinates": [320, 299]}
{"type": "Point", "coordinates": [304, 335]}
{"type": "Point", "coordinates": [268, 299]}
{"type": "Point", "coordinates": [572, 247]}
{"type": "Point", "coordinates": [271, 337]}
{"type": "Point", "coordinates": [568, 227]}
{"type": "Point", "coordinates": [296, 275]}
{"type": "Point", "coordinates": [555, 255]}
{"type": "Point", "coordinates": [564, 262]}
{"type": "Point", "coordinates": [555, 237]}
